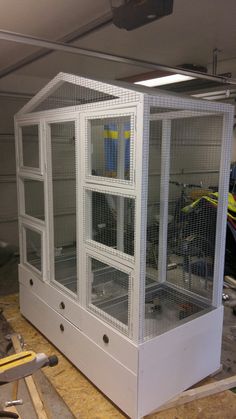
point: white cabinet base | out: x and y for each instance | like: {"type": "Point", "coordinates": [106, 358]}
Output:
{"type": "Point", "coordinates": [165, 364]}
{"type": "Point", "coordinates": [110, 376]}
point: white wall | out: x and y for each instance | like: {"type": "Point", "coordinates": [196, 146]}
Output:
{"type": "Point", "coordinates": [8, 197]}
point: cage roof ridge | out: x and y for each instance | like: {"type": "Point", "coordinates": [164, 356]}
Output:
{"type": "Point", "coordinates": [114, 88]}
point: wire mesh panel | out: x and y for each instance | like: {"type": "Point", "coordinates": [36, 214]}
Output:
{"type": "Point", "coordinates": [30, 146]}
{"type": "Point", "coordinates": [34, 198]}
{"type": "Point", "coordinates": [33, 246]}
{"type": "Point", "coordinates": [112, 221]}
{"type": "Point", "coordinates": [166, 308]}
{"type": "Point", "coordinates": [64, 203]}
{"type": "Point", "coordinates": [194, 176]}
{"type": "Point", "coordinates": [108, 293]}
{"type": "Point", "coordinates": [153, 222]}
{"type": "Point", "coordinates": [67, 90]}
{"type": "Point", "coordinates": [110, 147]}
{"type": "Point", "coordinates": [71, 94]}
{"type": "Point", "coordinates": [194, 160]}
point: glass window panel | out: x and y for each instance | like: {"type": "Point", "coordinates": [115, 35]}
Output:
{"type": "Point", "coordinates": [109, 291]}
{"type": "Point", "coordinates": [64, 203]}
{"type": "Point", "coordinates": [34, 248]}
{"type": "Point", "coordinates": [111, 147]}
{"type": "Point", "coordinates": [113, 221]}
{"type": "Point", "coordinates": [30, 146]}
{"type": "Point", "coordinates": [34, 198]}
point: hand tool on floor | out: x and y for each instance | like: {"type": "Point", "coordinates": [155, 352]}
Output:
{"type": "Point", "coordinates": [22, 364]}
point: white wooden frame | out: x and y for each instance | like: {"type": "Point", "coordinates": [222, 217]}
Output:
{"type": "Point", "coordinates": [164, 198]}
{"type": "Point", "coordinates": [85, 126]}
{"type": "Point", "coordinates": [90, 254]}
{"type": "Point", "coordinates": [22, 189]}
{"type": "Point", "coordinates": [41, 231]}
{"type": "Point", "coordinates": [117, 187]}
{"type": "Point", "coordinates": [88, 240]}
{"type": "Point", "coordinates": [25, 220]}
{"type": "Point", "coordinates": [24, 170]}
{"type": "Point", "coordinates": [50, 228]}
{"type": "Point", "coordinates": [221, 223]}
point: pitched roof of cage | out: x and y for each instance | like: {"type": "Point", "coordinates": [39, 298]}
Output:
{"type": "Point", "coordinates": [70, 90]}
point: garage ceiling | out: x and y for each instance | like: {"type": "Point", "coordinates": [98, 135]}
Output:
{"type": "Point", "coordinates": [187, 36]}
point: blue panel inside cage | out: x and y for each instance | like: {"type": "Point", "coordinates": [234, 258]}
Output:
{"type": "Point", "coordinates": [111, 141]}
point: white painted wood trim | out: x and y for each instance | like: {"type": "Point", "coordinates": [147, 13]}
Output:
{"type": "Point", "coordinates": [164, 198]}
{"type": "Point", "coordinates": [221, 224]}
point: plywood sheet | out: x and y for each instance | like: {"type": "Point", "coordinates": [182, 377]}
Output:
{"type": "Point", "coordinates": [83, 398]}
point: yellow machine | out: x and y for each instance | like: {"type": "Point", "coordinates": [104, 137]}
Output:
{"type": "Point", "coordinates": [22, 364]}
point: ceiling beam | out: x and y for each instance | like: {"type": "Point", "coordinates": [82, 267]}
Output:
{"type": "Point", "coordinates": [16, 95]}
{"type": "Point", "coordinates": [82, 31]}
{"type": "Point", "coordinates": [60, 46]}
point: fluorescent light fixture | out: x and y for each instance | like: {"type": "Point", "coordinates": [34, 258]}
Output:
{"type": "Point", "coordinates": [160, 81]}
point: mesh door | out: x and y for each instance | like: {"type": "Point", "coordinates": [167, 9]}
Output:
{"type": "Point", "coordinates": [112, 221]}
{"type": "Point", "coordinates": [110, 147]}
{"type": "Point", "coordinates": [64, 203]}
{"type": "Point", "coordinates": [33, 244]}
{"type": "Point", "coordinates": [30, 146]}
{"type": "Point", "coordinates": [108, 293]}
{"type": "Point", "coordinates": [34, 198]}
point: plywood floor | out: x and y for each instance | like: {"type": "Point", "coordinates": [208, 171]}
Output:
{"type": "Point", "coordinates": [84, 400]}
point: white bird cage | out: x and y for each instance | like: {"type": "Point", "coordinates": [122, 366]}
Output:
{"type": "Point", "coordinates": [122, 242]}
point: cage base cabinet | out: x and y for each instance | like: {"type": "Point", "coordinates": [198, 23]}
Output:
{"type": "Point", "coordinates": [146, 375]}
{"type": "Point", "coordinates": [123, 196]}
